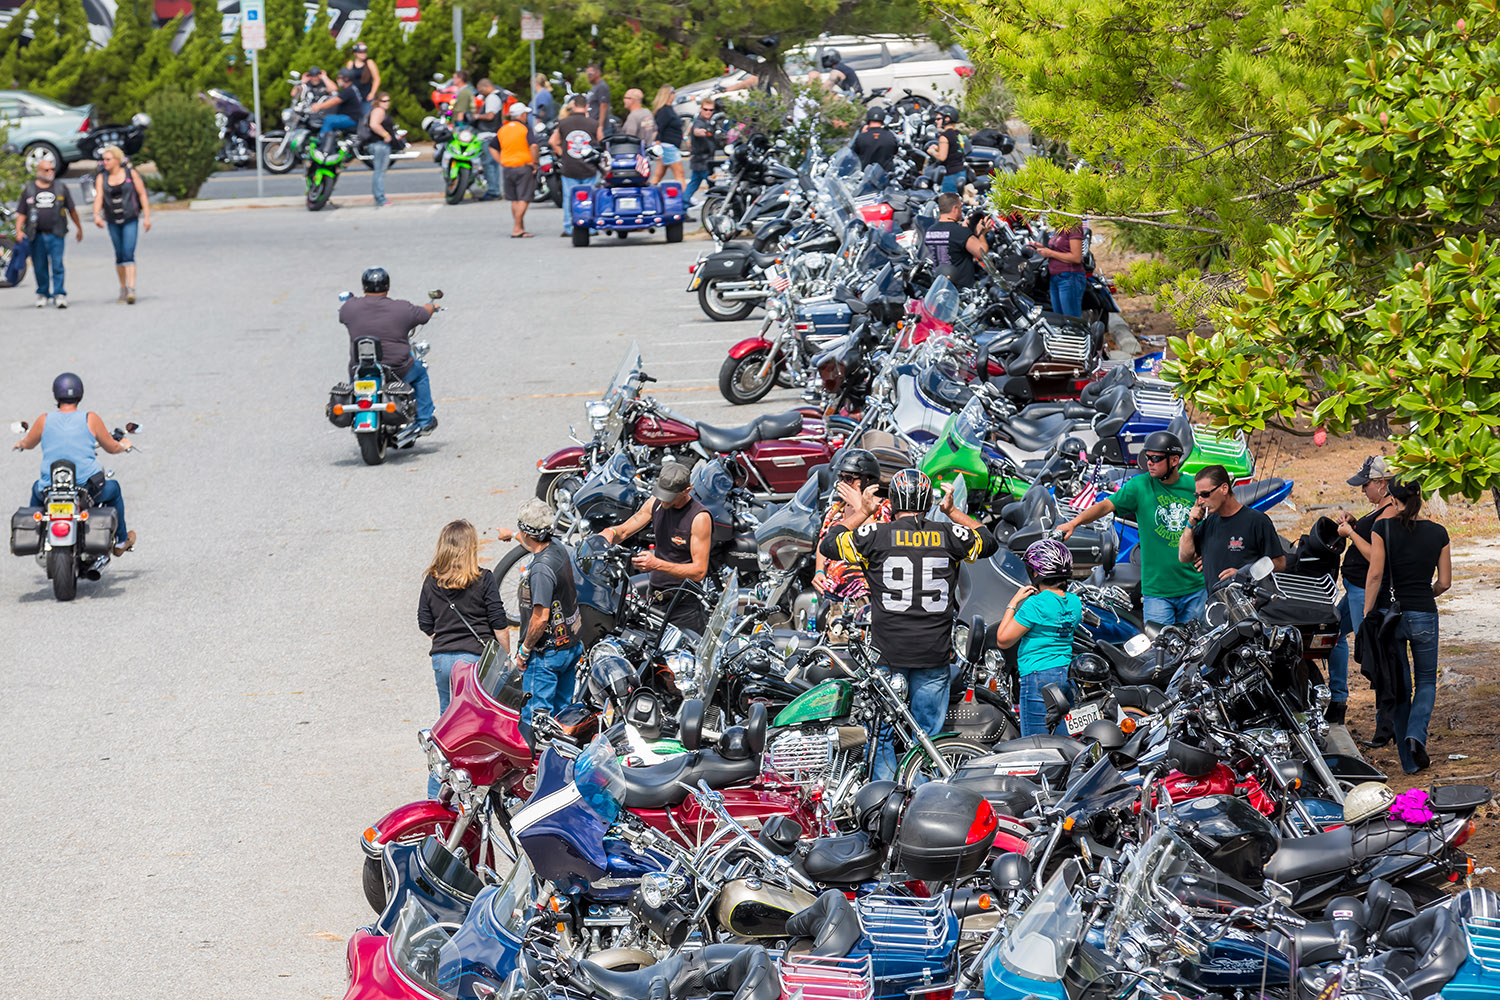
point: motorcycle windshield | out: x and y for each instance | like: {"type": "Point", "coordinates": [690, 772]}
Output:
{"type": "Point", "coordinates": [799, 516]}
{"type": "Point", "coordinates": [1147, 900]}
{"type": "Point", "coordinates": [484, 950]}
{"type": "Point", "coordinates": [1049, 930]}
{"type": "Point", "coordinates": [835, 190]}
{"type": "Point", "coordinates": [941, 301]}
{"type": "Point", "coordinates": [711, 487]}
{"type": "Point", "coordinates": [600, 779]}
{"type": "Point", "coordinates": [627, 377]}
{"type": "Point", "coordinates": [720, 622]}
{"type": "Point", "coordinates": [972, 425]}
{"type": "Point", "coordinates": [423, 950]}
{"type": "Point", "coordinates": [596, 570]}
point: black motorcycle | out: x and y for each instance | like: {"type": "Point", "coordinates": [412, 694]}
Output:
{"type": "Point", "coordinates": [236, 127]}
{"type": "Point", "coordinates": [129, 138]}
{"type": "Point", "coordinates": [751, 169]}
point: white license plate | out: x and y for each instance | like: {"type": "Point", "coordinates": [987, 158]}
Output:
{"type": "Point", "coordinates": [627, 204]}
{"type": "Point", "coordinates": [365, 387]}
{"type": "Point", "coordinates": [1080, 717]}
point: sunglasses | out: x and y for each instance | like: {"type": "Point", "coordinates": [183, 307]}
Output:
{"type": "Point", "coordinates": [845, 477]}
{"type": "Point", "coordinates": [1155, 458]}
{"type": "Point", "coordinates": [1205, 494]}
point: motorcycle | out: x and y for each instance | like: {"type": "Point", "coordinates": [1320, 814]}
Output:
{"type": "Point", "coordinates": [69, 535]}
{"type": "Point", "coordinates": [283, 148]}
{"type": "Point", "coordinates": [381, 409]}
{"type": "Point", "coordinates": [548, 174]}
{"type": "Point", "coordinates": [130, 138]}
{"type": "Point", "coordinates": [458, 149]}
{"type": "Point", "coordinates": [236, 127]}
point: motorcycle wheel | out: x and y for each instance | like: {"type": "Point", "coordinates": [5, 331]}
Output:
{"type": "Point", "coordinates": [554, 190]}
{"type": "Point", "coordinates": [580, 236]}
{"type": "Point", "coordinates": [916, 769]}
{"type": "Point", "coordinates": [508, 577]}
{"type": "Point", "coordinates": [373, 879]}
{"type": "Point", "coordinates": [372, 448]}
{"type": "Point", "coordinates": [548, 483]}
{"type": "Point", "coordinates": [63, 570]}
{"type": "Point", "coordinates": [712, 205]}
{"type": "Point", "coordinates": [318, 195]}
{"type": "Point", "coordinates": [276, 156]}
{"type": "Point", "coordinates": [739, 380]}
{"type": "Point", "coordinates": [457, 185]}
{"type": "Point", "coordinates": [722, 310]}
{"type": "Point", "coordinates": [674, 232]}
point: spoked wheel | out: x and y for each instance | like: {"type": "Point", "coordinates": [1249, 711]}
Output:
{"type": "Point", "coordinates": [712, 205]}
{"type": "Point", "coordinates": [508, 572]}
{"type": "Point", "coordinates": [63, 570]}
{"type": "Point", "coordinates": [372, 448]}
{"type": "Point", "coordinates": [740, 380]}
{"type": "Point", "coordinates": [277, 156]}
{"type": "Point", "coordinates": [917, 769]}
{"type": "Point", "coordinates": [721, 309]}
{"type": "Point", "coordinates": [318, 194]}
{"type": "Point", "coordinates": [457, 185]}
{"type": "Point", "coordinates": [548, 483]}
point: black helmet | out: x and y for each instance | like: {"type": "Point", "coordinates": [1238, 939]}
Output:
{"type": "Point", "coordinates": [875, 115]}
{"type": "Point", "coordinates": [1162, 442]}
{"type": "Point", "coordinates": [1010, 872]}
{"type": "Point", "coordinates": [1105, 733]}
{"type": "Point", "coordinates": [947, 111]}
{"type": "Point", "coordinates": [1089, 668]}
{"type": "Point", "coordinates": [910, 491]}
{"type": "Point", "coordinates": [67, 388]}
{"type": "Point", "coordinates": [830, 58]}
{"type": "Point", "coordinates": [375, 280]}
{"type": "Point", "coordinates": [868, 803]}
{"type": "Point", "coordinates": [856, 462]}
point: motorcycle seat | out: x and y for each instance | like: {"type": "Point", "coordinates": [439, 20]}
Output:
{"type": "Point", "coordinates": [634, 983]}
{"type": "Point", "coordinates": [1064, 745]}
{"type": "Point", "coordinates": [846, 860]}
{"type": "Point", "coordinates": [767, 428]}
{"type": "Point", "coordinates": [828, 928]}
{"type": "Point", "coordinates": [779, 425]}
{"type": "Point", "coordinates": [1251, 493]}
{"type": "Point", "coordinates": [1040, 433]}
{"type": "Point", "coordinates": [1426, 951]}
{"type": "Point", "coordinates": [659, 786]}
{"type": "Point", "coordinates": [1326, 854]}
{"type": "Point", "coordinates": [1010, 794]}
{"type": "Point", "coordinates": [762, 259]}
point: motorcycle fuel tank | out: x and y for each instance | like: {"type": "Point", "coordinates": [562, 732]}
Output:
{"type": "Point", "coordinates": [829, 700]}
{"type": "Point", "coordinates": [660, 432]}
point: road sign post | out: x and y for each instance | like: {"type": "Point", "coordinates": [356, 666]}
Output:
{"type": "Point", "coordinates": [531, 31]}
{"type": "Point", "coordinates": [253, 35]}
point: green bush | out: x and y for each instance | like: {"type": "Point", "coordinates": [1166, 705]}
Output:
{"type": "Point", "coordinates": [819, 114]}
{"type": "Point", "coordinates": [181, 141]}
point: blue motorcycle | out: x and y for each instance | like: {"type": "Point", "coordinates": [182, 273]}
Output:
{"type": "Point", "coordinates": [379, 407]}
{"type": "Point", "coordinates": [622, 202]}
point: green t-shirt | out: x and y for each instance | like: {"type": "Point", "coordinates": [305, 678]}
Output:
{"type": "Point", "coordinates": [1160, 512]}
{"type": "Point", "coordinates": [1050, 619]}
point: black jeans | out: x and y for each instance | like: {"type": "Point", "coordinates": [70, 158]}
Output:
{"type": "Point", "coordinates": [683, 608]}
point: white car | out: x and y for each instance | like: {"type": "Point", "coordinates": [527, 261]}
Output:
{"type": "Point", "coordinates": [895, 62]}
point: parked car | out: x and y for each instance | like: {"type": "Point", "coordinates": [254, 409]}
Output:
{"type": "Point", "coordinates": [920, 65]}
{"type": "Point", "coordinates": [42, 127]}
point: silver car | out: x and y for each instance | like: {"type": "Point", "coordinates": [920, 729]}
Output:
{"type": "Point", "coordinates": [41, 127]}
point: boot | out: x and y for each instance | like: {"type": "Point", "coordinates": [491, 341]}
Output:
{"type": "Point", "coordinates": [1334, 713]}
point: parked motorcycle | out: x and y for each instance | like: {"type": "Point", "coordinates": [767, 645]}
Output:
{"type": "Point", "coordinates": [458, 149]}
{"type": "Point", "coordinates": [236, 127]}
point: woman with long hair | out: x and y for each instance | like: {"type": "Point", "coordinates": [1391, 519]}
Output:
{"type": "Point", "coordinates": [1406, 553]}
{"type": "Point", "coordinates": [668, 135]}
{"type": "Point", "coordinates": [460, 608]}
{"type": "Point", "coordinates": [121, 205]}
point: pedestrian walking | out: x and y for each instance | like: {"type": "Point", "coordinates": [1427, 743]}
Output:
{"type": "Point", "coordinates": [42, 217]}
{"type": "Point", "coordinates": [1374, 480]}
{"type": "Point", "coordinates": [598, 99]}
{"type": "Point", "coordinates": [375, 134]}
{"type": "Point", "coordinates": [460, 608]}
{"type": "Point", "coordinates": [668, 135]}
{"type": "Point", "coordinates": [571, 141]}
{"type": "Point", "coordinates": [542, 103]}
{"type": "Point", "coordinates": [704, 138]}
{"type": "Point", "coordinates": [120, 203]}
{"type": "Point", "coordinates": [489, 117]}
{"type": "Point", "coordinates": [515, 150]}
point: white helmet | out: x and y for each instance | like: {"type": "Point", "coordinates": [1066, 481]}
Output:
{"type": "Point", "coordinates": [1366, 801]}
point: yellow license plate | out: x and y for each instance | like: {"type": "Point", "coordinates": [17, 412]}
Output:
{"type": "Point", "coordinates": [365, 386]}
{"type": "Point", "coordinates": [55, 510]}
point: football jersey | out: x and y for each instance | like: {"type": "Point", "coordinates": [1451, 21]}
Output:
{"type": "Point", "coordinates": [912, 568]}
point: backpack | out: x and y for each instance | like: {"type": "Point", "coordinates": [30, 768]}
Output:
{"type": "Point", "coordinates": [15, 270]}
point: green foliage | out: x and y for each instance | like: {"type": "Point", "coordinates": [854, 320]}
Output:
{"type": "Point", "coordinates": [181, 141]}
{"type": "Point", "coordinates": [1381, 298]}
{"type": "Point", "coordinates": [800, 114]}
{"type": "Point", "coordinates": [12, 172]}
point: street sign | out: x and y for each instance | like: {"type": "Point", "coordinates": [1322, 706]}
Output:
{"type": "Point", "coordinates": [531, 26]}
{"type": "Point", "coordinates": [253, 23]}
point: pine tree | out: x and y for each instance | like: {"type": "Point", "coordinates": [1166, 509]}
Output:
{"type": "Point", "coordinates": [156, 68]}
{"type": "Point", "coordinates": [284, 21]}
{"type": "Point", "coordinates": [383, 35]}
{"type": "Point", "coordinates": [109, 68]}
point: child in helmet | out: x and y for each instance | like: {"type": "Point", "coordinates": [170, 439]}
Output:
{"type": "Point", "coordinates": [1039, 622]}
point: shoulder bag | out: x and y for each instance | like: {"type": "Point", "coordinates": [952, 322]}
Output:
{"type": "Point", "coordinates": [1390, 612]}
{"type": "Point", "coordinates": [491, 650]}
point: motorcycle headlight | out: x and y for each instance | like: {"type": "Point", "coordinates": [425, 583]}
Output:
{"type": "Point", "coordinates": [598, 410]}
{"type": "Point", "coordinates": [898, 686]}
{"type": "Point", "coordinates": [773, 308]}
{"type": "Point", "coordinates": [286, 116]}
{"type": "Point", "coordinates": [466, 136]}
{"type": "Point", "coordinates": [654, 889]}
{"type": "Point", "coordinates": [563, 497]}
{"type": "Point", "coordinates": [140, 119]}
{"type": "Point", "coordinates": [459, 779]}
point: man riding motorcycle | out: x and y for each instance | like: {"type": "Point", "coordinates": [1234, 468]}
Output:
{"type": "Point", "coordinates": [389, 321]}
{"type": "Point", "coordinates": [68, 433]}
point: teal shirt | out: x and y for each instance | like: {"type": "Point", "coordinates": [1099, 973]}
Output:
{"type": "Point", "coordinates": [1050, 619]}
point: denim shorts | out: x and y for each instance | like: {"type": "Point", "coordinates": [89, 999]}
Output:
{"type": "Point", "coordinates": [670, 154]}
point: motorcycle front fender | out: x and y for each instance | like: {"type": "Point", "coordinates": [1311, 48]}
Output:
{"type": "Point", "coordinates": [748, 345]}
{"type": "Point", "coordinates": [569, 459]}
{"type": "Point", "coordinates": [408, 824]}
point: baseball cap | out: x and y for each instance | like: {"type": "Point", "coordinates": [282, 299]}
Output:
{"type": "Point", "coordinates": [674, 478]}
{"type": "Point", "coordinates": [360, 47]}
{"type": "Point", "coordinates": [517, 109]}
{"type": "Point", "coordinates": [314, 71]}
{"type": "Point", "coordinates": [1374, 468]}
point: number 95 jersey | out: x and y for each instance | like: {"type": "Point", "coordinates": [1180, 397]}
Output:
{"type": "Point", "coordinates": [911, 564]}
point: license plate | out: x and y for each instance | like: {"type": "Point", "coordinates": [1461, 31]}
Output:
{"type": "Point", "coordinates": [1080, 717]}
{"type": "Point", "coordinates": [364, 387]}
{"type": "Point", "coordinates": [59, 510]}
{"type": "Point", "coordinates": [627, 204]}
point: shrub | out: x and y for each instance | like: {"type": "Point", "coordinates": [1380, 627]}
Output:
{"type": "Point", "coordinates": [799, 114]}
{"type": "Point", "coordinates": [181, 141]}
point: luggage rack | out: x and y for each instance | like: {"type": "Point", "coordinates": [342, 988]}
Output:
{"type": "Point", "coordinates": [1318, 590]}
{"type": "Point", "coordinates": [904, 923]}
{"type": "Point", "coordinates": [1068, 346]}
{"type": "Point", "coordinates": [818, 977]}
{"type": "Point", "coordinates": [1157, 403]}
{"type": "Point", "coordinates": [1484, 941]}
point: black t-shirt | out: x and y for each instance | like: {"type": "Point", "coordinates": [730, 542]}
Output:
{"type": "Point", "coordinates": [46, 208]}
{"type": "Point", "coordinates": [387, 320]}
{"type": "Point", "coordinates": [912, 568]}
{"type": "Point", "coordinates": [851, 78]}
{"type": "Point", "coordinates": [1234, 542]}
{"type": "Point", "coordinates": [673, 530]}
{"type": "Point", "coordinates": [947, 245]}
{"type": "Point", "coordinates": [576, 134]}
{"type": "Point", "coordinates": [478, 604]}
{"type": "Point", "coordinates": [875, 145]}
{"type": "Point", "coordinates": [703, 146]}
{"type": "Point", "coordinates": [1356, 566]}
{"type": "Point", "coordinates": [1411, 559]}
{"type": "Point", "coordinates": [668, 126]}
{"type": "Point", "coordinates": [549, 584]}
{"type": "Point", "coordinates": [954, 164]}
{"type": "Point", "coordinates": [350, 103]}
{"type": "Point", "coordinates": [598, 99]}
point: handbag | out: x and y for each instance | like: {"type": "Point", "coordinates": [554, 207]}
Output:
{"type": "Point", "coordinates": [1390, 611]}
{"type": "Point", "coordinates": [491, 650]}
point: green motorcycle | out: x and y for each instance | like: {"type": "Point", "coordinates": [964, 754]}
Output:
{"type": "Point", "coordinates": [459, 152]}
{"type": "Point", "coordinates": [323, 162]}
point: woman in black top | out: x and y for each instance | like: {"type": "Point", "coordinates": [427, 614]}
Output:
{"type": "Point", "coordinates": [668, 135]}
{"type": "Point", "coordinates": [460, 608]}
{"type": "Point", "coordinates": [1374, 479]}
{"type": "Point", "coordinates": [949, 149]}
{"type": "Point", "coordinates": [1405, 553]}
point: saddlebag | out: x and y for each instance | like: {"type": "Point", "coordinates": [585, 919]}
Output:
{"type": "Point", "coordinates": [340, 395]}
{"type": "Point", "coordinates": [25, 532]}
{"type": "Point", "coordinates": [946, 832]}
{"type": "Point", "coordinates": [405, 398]}
{"type": "Point", "coordinates": [99, 531]}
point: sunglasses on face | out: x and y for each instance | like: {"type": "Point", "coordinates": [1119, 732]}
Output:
{"type": "Point", "coordinates": [847, 478]}
{"type": "Point", "coordinates": [1205, 494]}
{"type": "Point", "coordinates": [1155, 458]}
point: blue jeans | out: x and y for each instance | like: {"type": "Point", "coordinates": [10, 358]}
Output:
{"type": "Point", "coordinates": [1033, 710]}
{"type": "Point", "coordinates": [694, 179]}
{"type": "Point", "coordinates": [340, 123]}
{"type": "Point", "coordinates": [1174, 610]}
{"type": "Point", "coordinates": [549, 678]}
{"type": "Point", "coordinates": [416, 377]}
{"type": "Point", "coordinates": [123, 236]}
{"type": "Point", "coordinates": [952, 182]}
{"type": "Point", "coordinates": [442, 672]}
{"type": "Point", "coordinates": [47, 259]}
{"type": "Point", "coordinates": [491, 166]}
{"type": "Point", "coordinates": [1351, 613]}
{"type": "Point", "coordinates": [1067, 292]}
{"type": "Point", "coordinates": [1419, 630]}
{"type": "Point", "coordinates": [108, 495]}
{"type": "Point", "coordinates": [380, 159]}
{"type": "Point", "coordinates": [927, 691]}
{"type": "Point", "coordinates": [569, 185]}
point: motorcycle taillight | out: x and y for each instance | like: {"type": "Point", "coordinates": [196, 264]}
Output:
{"type": "Point", "coordinates": [1464, 833]}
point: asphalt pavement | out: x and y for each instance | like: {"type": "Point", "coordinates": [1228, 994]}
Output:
{"type": "Point", "coordinates": [194, 745]}
{"type": "Point", "coordinates": [416, 176]}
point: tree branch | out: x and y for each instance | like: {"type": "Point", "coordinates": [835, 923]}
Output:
{"type": "Point", "coordinates": [1132, 220]}
{"type": "Point", "coordinates": [1286, 189]}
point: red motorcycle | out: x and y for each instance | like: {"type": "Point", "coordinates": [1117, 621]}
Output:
{"type": "Point", "coordinates": [774, 454]}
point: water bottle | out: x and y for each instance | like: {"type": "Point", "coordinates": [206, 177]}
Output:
{"type": "Point", "coordinates": [812, 615]}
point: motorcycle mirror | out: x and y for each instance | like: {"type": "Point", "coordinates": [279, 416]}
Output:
{"type": "Point", "coordinates": [19, 427]}
{"type": "Point", "coordinates": [1278, 893]}
{"type": "Point", "coordinates": [436, 293]}
{"type": "Point", "coordinates": [1261, 568]}
{"type": "Point", "coordinates": [345, 296]}
{"type": "Point", "coordinates": [132, 428]}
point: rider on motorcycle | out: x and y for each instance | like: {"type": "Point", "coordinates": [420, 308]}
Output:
{"type": "Point", "coordinates": [341, 111]}
{"type": "Point", "coordinates": [389, 321]}
{"type": "Point", "coordinates": [68, 433]}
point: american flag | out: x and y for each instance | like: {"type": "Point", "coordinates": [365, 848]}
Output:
{"type": "Point", "coordinates": [780, 280]}
{"type": "Point", "coordinates": [642, 165]}
{"type": "Point", "coordinates": [1085, 498]}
